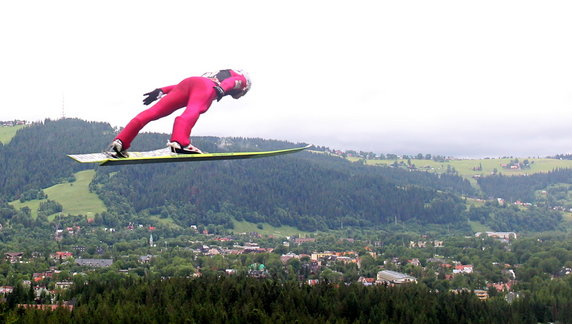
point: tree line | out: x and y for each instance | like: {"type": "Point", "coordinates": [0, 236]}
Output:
{"type": "Point", "coordinates": [512, 218]}
{"type": "Point", "coordinates": [228, 299]}
{"type": "Point", "coordinates": [280, 191]}
{"type": "Point", "coordinates": [522, 188]}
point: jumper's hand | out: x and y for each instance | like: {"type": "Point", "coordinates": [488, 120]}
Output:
{"type": "Point", "coordinates": [219, 92]}
{"type": "Point", "coordinates": [152, 96]}
{"type": "Point", "coordinates": [237, 94]}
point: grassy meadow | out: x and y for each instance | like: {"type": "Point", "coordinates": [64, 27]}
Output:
{"type": "Point", "coordinates": [165, 222]}
{"type": "Point", "coordinates": [73, 196]}
{"type": "Point", "coordinates": [469, 168]}
{"type": "Point", "coordinates": [8, 132]}
{"type": "Point", "coordinates": [267, 229]}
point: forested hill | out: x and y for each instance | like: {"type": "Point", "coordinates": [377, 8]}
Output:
{"type": "Point", "coordinates": [36, 157]}
{"type": "Point", "coordinates": [309, 190]}
{"type": "Point", "coordinates": [554, 184]}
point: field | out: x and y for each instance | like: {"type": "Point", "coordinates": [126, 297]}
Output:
{"type": "Point", "coordinates": [478, 227]}
{"type": "Point", "coordinates": [267, 229]}
{"type": "Point", "coordinates": [165, 222]}
{"type": "Point", "coordinates": [7, 132]}
{"type": "Point", "coordinates": [73, 196]}
{"type": "Point", "coordinates": [470, 168]}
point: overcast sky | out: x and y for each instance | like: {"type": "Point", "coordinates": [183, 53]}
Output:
{"type": "Point", "coordinates": [459, 78]}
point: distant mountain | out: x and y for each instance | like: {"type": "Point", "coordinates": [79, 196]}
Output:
{"type": "Point", "coordinates": [309, 190]}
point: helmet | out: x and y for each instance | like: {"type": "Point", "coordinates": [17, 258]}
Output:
{"type": "Point", "coordinates": [248, 82]}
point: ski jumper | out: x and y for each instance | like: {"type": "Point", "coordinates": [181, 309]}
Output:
{"type": "Point", "coordinates": [196, 93]}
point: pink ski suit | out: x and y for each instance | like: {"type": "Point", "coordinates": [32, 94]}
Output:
{"type": "Point", "coordinates": [197, 94]}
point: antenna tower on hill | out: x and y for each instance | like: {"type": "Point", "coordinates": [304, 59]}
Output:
{"type": "Point", "coordinates": [63, 107]}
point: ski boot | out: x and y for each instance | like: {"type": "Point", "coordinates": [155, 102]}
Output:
{"type": "Point", "coordinates": [116, 149]}
{"type": "Point", "coordinates": [177, 148]}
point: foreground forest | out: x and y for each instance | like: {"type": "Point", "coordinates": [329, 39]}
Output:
{"type": "Point", "coordinates": [215, 299]}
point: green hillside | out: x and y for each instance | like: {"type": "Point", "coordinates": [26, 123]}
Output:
{"type": "Point", "coordinates": [44, 162]}
{"type": "Point", "coordinates": [8, 132]}
{"type": "Point", "coordinates": [305, 191]}
{"type": "Point", "coordinates": [469, 168]}
{"type": "Point", "coordinates": [75, 197]}
{"type": "Point", "coordinates": [266, 229]}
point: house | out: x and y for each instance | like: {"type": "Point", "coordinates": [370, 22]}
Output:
{"type": "Point", "coordinates": [373, 254]}
{"type": "Point", "coordinates": [257, 271]}
{"type": "Point", "coordinates": [59, 235]}
{"type": "Point", "coordinates": [61, 255]}
{"type": "Point", "coordinates": [564, 271]}
{"type": "Point", "coordinates": [504, 236]}
{"type": "Point", "coordinates": [11, 123]}
{"type": "Point", "coordinates": [463, 268]}
{"type": "Point", "coordinates": [284, 258]}
{"type": "Point", "coordinates": [481, 294]}
{"type": "Point", "coordinates": [313, 282]}
{"type": "Point", "coordinates": [510, 273]}
{"type": "Point", "coordinates": [73, 230]}
{"type": "Point", "coordinates": [41, 290]}
{"type": "Point", "coordinates": [388, 277]}
{"type": "Point", "coordinates": [420, 244]}
{"type": "Point", "coordinates": [94, 263]}
{"type": "Point", "coordinates": [213, 251]}
{"type": "Point", "coordinates": [63, 284]}
{"type": "Point", "coordinates": [14, 257]}
{"type": "Point", "coordinates": [145, 258]}
{"type": "Point", "coordinates": [36, 254]}
{"type": "Point", "coordinates": [346, 259]}
{"type": "Point", "coordinates": [39, 276]}
{"type": "Point", "coordinates": [366, 281]}
{"type": "Point", "coordinates": [501, 286]}
{"type": "Point", "coordinates": [317, 256]}
{"type": "Point", "coordinates": [415, 262]}
{"type": "Point", "coordinates": [394, 261]}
